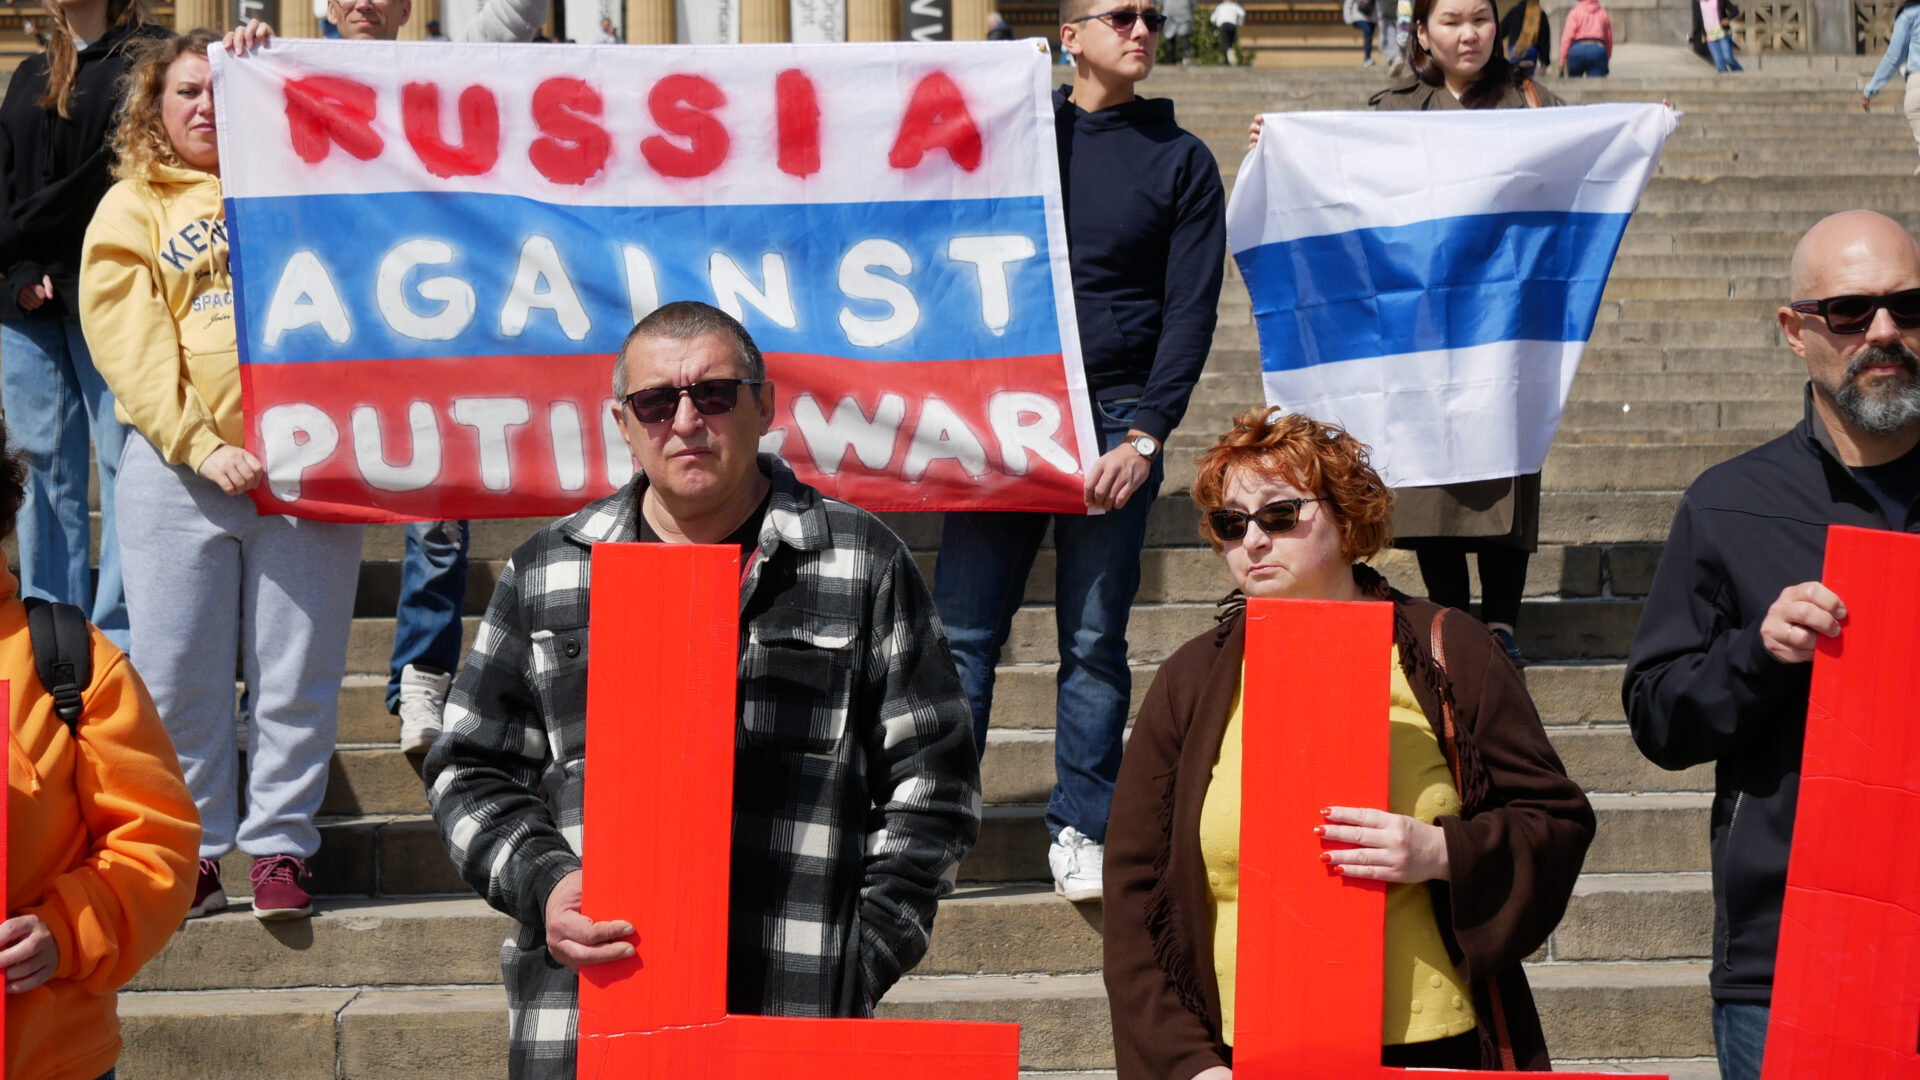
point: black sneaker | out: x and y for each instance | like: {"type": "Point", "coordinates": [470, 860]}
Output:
{"type": "Point", "coordinates": [1512, 647]}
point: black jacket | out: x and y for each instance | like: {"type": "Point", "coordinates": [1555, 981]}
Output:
{"type": "Point", "coordinates": [56, 170]}
{"type": "Point", "coordinates": [1147, 240]}
{"type": "Point", "coordinates": [1700, 686]}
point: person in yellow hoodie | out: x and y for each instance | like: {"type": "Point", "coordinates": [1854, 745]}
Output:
{"type": "Point", "coordinates": [100, 843]}
{"type": "Point", "coordinates": [211, 582]}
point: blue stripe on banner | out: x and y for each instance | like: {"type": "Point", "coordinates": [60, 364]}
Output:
{"type": "Point", "coordinates": [487, 239]}
{"type": "Point", "coordinates": [1449, 283]}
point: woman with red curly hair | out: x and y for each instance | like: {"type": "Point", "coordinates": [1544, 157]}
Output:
{"type": "Point", "coordinates": [1481, 838]}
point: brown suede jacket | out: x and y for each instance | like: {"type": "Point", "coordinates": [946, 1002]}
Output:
{"type": "Point", "coordinates": [1513, 855]}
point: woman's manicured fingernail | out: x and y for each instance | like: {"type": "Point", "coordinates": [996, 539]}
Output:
{"type": "Point", "coordinates": [1319, 830]}
{"type": "Point", "coordinates": [1325, 811]}
{"type": "Point", "coordinates": [1326, 856]}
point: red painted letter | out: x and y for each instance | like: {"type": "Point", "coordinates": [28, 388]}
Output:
{"type": "Point", "coordinates": [799, 124]}
{"type": "Point", "coordinates": [479, 145]}
{"type": "Point", "coordinates": [937, 116]}
{"type": "Point", "coordinates": [680, 105]}
{"type": "Point", "coordinates": [573, 149]}
{"type": "Point", "coordinates": [323, 109]}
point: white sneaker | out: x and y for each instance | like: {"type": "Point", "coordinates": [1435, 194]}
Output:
{"type": "Point", "coordinates": [423, 697]}
{"type": "Point", "coordinates": [1075, 860]}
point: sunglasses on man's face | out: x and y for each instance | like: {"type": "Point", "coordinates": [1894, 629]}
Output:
{"type": "Point", "coordinates": [1122, 21]}
{"type": "Point", "coordinates": [1854, 314]}
{"type": "Point", "coordinates": [1274, 518]}
{"type": "Point", "coordinates": [710, 397]}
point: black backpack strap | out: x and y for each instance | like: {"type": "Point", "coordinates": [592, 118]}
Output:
{"type": "Point", "coordinates": [62, 654]}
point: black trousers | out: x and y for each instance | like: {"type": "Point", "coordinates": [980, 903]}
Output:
{"type": "Point", "coordinates": [1503, 576]}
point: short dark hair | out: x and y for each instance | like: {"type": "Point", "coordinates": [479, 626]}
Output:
{"type": "Point", "coordinates": [685, 319]}
{"type": "Point", "coordinates": [13, 483]}
{"type": "Point", "coordinates": [1071, 10]}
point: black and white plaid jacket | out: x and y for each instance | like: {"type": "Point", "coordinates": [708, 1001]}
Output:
{"type": "Point", "coordinates": [856, 788]}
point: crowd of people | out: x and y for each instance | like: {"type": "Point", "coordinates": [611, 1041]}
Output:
{"type": "Point", "coordinates": [865, 692]}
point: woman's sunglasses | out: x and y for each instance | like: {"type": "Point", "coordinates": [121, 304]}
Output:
{"type": "Point", "coordinates": [1274, 518]}
{"type": "Point", "coordinates": [1122, 21]}
{"type": "Point", "coordinates": [710, 397]}
{"type": "Point", "coordinates": [1854, 314]}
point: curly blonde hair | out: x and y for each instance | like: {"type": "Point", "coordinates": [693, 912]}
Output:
{"type": "Point", "coordinates": [140, 140]}
{"type": "Point", "coordinates": [1315, 457]}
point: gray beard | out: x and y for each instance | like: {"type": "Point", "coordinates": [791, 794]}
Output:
{"type": "Point", "coordinates": [1889, 407]}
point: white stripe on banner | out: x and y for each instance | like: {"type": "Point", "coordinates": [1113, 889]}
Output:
{"type": "Point", "coordinates": [1443, 417]}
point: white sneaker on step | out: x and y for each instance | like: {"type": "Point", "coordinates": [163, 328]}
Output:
{"type": "Point", "coordinates": [1075, 860]}
{"type": "Point", "coordinates": [423, 697]}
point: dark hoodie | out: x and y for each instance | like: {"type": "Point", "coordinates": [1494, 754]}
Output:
{"type": "Point", "coordinates": [56, 170]}
{"type": "Point", "coordinates": [1702, 687]}
{"type": "Point", "coordinates": [1147, 240]}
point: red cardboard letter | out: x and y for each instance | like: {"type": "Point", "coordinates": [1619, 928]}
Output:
{"type": "Point", "coordinates": [479, 144]}
{"type": "Point", "coordinates": [799, 124]}
{"type": "Point", "coordinates": [682, 105]}
{"type": "Point", "coordinates": [323, 109]}
{"type": "Point", "coordinates": [573, 149]}
{"type": "Point", "coordinates": [937, 116]}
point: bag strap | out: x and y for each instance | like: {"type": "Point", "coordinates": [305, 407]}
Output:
{"type": "Point", "coordinates": [62, 655]}
{"type": "Point", "coordinates": [1531, 92]}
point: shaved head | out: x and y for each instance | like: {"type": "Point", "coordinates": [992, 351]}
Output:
{"type": "Point", "coordinates": [1866, 378]}
{"type": "Point", "coordinates": [1850, 245]}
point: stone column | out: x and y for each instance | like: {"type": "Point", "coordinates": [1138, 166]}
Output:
{"type": "Point", "coordinates": [1830, 27]}
{"type": "Point", "coordinates": [970, 19]}
{"type": "Point", "coordinates": [194, 14]}
{"type": "Point", "coordinates": [765, 20]}
{"type": "Point", "coordinates": [873, 20]}
{"type": "Point", "coordinates": [416, 28]}
{"type": "Point", "coordinates": [296, 20]}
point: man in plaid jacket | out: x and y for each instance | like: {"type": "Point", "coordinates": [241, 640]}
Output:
{"type": "Point", "coordinates": [856, 787]}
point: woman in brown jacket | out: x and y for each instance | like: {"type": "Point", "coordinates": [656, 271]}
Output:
{"type": "Point", "coordinates": [1483, 835]}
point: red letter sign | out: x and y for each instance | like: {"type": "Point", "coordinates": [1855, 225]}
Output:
{"type": "Point", "coordinates": [937, 116]}
{"type": "Point", "coordinates": [659, 811]}
{"type": "Point", "coordinates": [479, 145]}
{"type": "Point", "coordinates": [326, 108]}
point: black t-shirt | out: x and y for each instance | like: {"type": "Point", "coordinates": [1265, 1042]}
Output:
{"type": "Point", "coordinates": [1893, 485]}
{"type": "Point", "coordinates": [747, 535]}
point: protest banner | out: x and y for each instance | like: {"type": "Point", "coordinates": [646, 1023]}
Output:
{"type": "Point", "coordinates": [437, 250]}
{"type": "Point", "coordinates": [1429, 280]}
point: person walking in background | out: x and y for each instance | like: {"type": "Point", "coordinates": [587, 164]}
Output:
{"type": "Point", "coordinates": [1903, 55]}
{"type": "Point", "coordinates": [1713, 33]}
{"type": "Point", "coordinates": [1480, 837]}
{"type": "Point", "coordinates": [1227, 17]}
{"type": "Point", "coordinates": [1359, 15]}
{"type": "Point", "coordinates": [212, 584]}
{"type": "Point", "coordinates": [1586, 42]}
{"type": "Point", "coordinates": [434, 33]}
{"type": "Point", "coordinates": [997, 28]}
{"type": "Point", "coordinates": [605, 35]}
{"type": "Point", "coordinates": [1528, 35]}
{"type": "Point", "coordinates": [1179, 29]}
{"type": "Point", "coordinates": [1392, 42]}
{"type": "Point", "coordinates": [54, 126]}
{"type": "Point", "coordinates": [102, 836]}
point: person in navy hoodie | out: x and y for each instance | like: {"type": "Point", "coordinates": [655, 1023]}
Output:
{"type": "Point", "coordinates": [1146, 239]}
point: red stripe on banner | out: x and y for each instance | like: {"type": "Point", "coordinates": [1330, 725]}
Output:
{"type": "Point", "coordinates": [532, 436]}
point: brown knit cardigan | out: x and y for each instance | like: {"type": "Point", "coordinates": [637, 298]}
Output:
{"type": "Point", "coordinates": [1513, 855]}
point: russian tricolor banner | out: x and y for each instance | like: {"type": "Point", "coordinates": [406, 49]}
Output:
{"type": "Point", "coordinates": [1429, 280]}
{"type": "Point", "coordinates": [438, 249]}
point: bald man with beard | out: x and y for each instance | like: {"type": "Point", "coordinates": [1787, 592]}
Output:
{"type": "Point", "coordinates": [1721, 665]}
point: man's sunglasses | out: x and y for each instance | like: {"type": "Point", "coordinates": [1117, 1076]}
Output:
{"type": "Point", "coordinates": [1274, 518]}
{"type": "Point", "coordinates": [1853, 314]}
{"type": "Point", "coordinates": [1122, 21]}
{"type": "Point", "coordinates": [710, 397]}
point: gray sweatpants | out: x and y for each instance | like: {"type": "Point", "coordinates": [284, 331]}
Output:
{"type": "Point", "coordinates": [211, 584]}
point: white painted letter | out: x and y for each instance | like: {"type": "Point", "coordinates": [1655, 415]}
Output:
{"type": "Point", "coordinates": [730, 286]}
{"type": "Point", "coordinates": [296, 437]}
{"type": "Point", "coordinates": [541, 282]}
{"type": "Point", "coordinates": [859, 282]}
{"type": "Point", "coordinates": [643, 289]}
{"type": "Point", "coordinates": [990, 256]}
{"type": "Point", "coordinates": [942, 434]}
{"type": "Point", "coordinates": [490, 418]}
{"type": "Point", "coordinates": [569, 449]}
{"type": "Point", "coordinates": [619, 458]}
{"type": "Point", "coordinates": [829, 440]}
{"type": "Point", "coordinates": [371, 455]}
{"type": "Point", "coordinates": [1004, 411]}
{"type": "Point", "coordinates": [305, 296]}
{"type": "Point", "coordinates": [455, 296]}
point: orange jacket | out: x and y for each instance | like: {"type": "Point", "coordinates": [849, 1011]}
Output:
{"type": "Point", "coordinates": [102, 845]}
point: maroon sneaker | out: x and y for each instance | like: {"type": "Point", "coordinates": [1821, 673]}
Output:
{"type": "Point", "coordinates": [208, 896]}
{"type": "Point", "coordinates": [276, 888]}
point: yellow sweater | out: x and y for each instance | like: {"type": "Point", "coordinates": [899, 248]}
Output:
{"type": "Point", "coordinates": [102, 845]}
{"type": "Point", "coordinates": [156, 304]}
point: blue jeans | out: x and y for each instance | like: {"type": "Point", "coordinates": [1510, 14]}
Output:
{"type": "Point", "coordinates": [1722, 53]}
{"type": "Point", "coordinates": [978, 584]}
{"type": "Point", "coordinates": [433, 592]}
{"type": "Point", "coordinates": [1587, 58]}
{"type": "Point", "coordinates": [1740, 1038]}
{"type": "Point", "coordinates": [53, 395]}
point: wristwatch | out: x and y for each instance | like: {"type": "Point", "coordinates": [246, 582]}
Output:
{"type": "Point", "coordinates": [1145, 445]}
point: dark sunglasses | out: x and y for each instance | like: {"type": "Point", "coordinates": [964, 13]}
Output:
{"type": "Point", "coordinates": [1854, 314]}
{"type": "Point", "coordinates": [1274, 518]}
{"type": "Point", "coordinates": [710, 397]}
{"type": "Point", "coordinates": [1122, 21]}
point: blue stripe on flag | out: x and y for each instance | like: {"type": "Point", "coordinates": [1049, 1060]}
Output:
{"type": "Point", "coordinates": [351, 234]}
{"type": "Point", "coordinates": [1448, 283]}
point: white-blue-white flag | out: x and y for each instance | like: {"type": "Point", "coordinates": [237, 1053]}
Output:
{"type": "Point", "coordinates": [1429, 280]}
